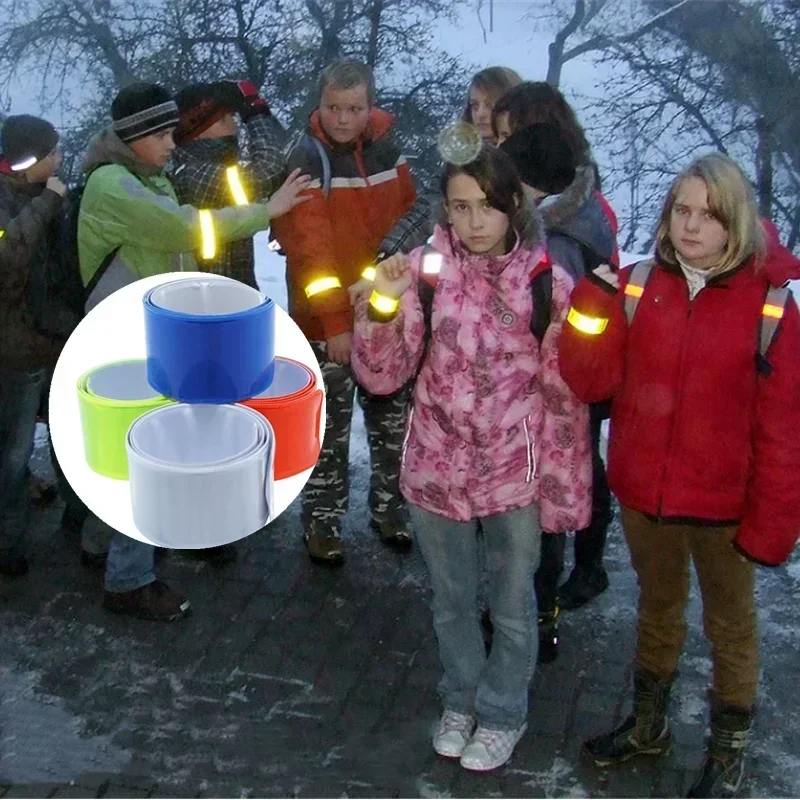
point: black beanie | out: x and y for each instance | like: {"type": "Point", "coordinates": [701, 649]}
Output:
{"type": "Point", "coordinates": [24, 140]}
{"type": "Point", "coordinates": [542, 156]}
{"type": "Point", "coordinates": [142, 109]}
{"type": "Point", "coordinates": [202, 104]}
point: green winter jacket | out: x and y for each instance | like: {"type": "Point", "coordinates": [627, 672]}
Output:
{"type": "Point", "coordinates": [130, 205]}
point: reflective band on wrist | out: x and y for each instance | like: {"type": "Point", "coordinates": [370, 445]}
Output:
{"type": "Point", "coordinates": [632, 290]}
{"type": "Point", "coordinates": [384, 304]}
{"type": "Point", "coordinates": [209, 340]}
{"type": "Point", "coordinates": [770, 310]}
{"type": "Point", "coordinates": [322, 285]}
{"type": "Point", "coordinates": [200, 476]}
{"type": "Point", "coordinates": [293, 406]}
{"type": "Point", "coordinates": [591, 325]}
{"type": "Point", "coordinates": [369, 273]}
{"type": "Point", "coordinates": [235, 184]}
{"type": "Point", "coordinates": [209, 240]}
{"type": "Point", "coordinates": [110, 398]}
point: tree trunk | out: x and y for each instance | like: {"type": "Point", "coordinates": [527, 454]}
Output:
{"type": "Point", "coordinates": [764, 168]}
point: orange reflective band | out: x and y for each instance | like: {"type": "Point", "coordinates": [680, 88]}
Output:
{"type": "Point", "coordinates": [590, 325]}
{"type": "Point", "coordinates": [209, 241]}
{"type": "Point", "coordinates": [322, 285]}
{"type": "Point", "coordinates": [384, 304]}
{"type": "Point", "coordinates": [634, 291]}
{"type": "Point", "coordinates": [369, 273]}
{"type": "Point", "coordinates": [235, 183]}
{"type": "Point", "coordinates": [770, 310]}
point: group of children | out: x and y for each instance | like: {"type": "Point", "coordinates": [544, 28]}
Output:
{"type": "Point", "coordinates": [509, 332]}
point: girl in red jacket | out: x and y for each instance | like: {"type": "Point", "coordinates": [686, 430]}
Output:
{"type": "Point", "coordinates": [700, 354]}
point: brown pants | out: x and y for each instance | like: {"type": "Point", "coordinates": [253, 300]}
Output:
{"type": "Point", "coordinates": [660, 555]}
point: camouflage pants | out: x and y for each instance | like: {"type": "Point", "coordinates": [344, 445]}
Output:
{"type": "Point", "coordinates": [325, 497]}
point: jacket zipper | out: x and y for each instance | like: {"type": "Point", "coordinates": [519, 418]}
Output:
{"type": "Point", "coordinates": [531, 449]}
{"type": "Point", "coordinates": [405, 440]}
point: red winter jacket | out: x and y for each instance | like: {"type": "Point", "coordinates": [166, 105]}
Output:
{"type": "Point", "coordinates": [699, 432]}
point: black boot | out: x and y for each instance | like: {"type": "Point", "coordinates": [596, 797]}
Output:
{"type": "Point", "coordinates": [644, 732]}
{"type": "Point", "coordinates": [722, 772]}
{"type": "Point", "coordinates": [548, 636]}
{"type": "Point", "coordinates": [582, 586]}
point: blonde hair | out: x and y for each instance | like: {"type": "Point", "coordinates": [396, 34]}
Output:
{"type": "Point", "coordinates": [732, 201]}
{"type": "Point", "coordinates": [495, 81]}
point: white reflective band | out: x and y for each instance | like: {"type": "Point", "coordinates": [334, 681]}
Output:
{"type": "Point", "coordinates": [384, 304]}
{"type": "Point", "coordinates": [322, 285]}
{"type": "Point", "coordinates": [369, 273]}
{"type": "Point", "coordinates": [26, 164]}
{"type": "Point", "coordinates": [235, 183]}
{"type": "Point", "coordinates": [274, 246]}
{"type": "Point", "coordinates": [591, 325]}
{"type": "Point", "coordinates": [209, 241]}
{"type": "Point", "coordinates": [431, 263]}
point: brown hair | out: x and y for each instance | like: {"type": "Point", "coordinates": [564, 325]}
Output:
{"type": "Point", "coordinates": [536, 101]}
{"type": "Point", "coordinates": [494, 172]}
{"type": "Point", "coordinates": [347, 75]}
{"type": "Point", "coordinates": [732, 201]}
{"type": "Point", "coordinates": [495, 81]}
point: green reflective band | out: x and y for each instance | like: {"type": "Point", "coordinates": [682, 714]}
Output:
{"type": "Point", "coordinates": [322, 285]}
{"type": "Point", "coordinates": [592, 326]}
{"type": "Point", "coordinates": [384, 304]}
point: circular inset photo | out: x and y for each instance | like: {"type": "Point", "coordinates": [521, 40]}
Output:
{"type": "Point", "coordinates": [187, 410]}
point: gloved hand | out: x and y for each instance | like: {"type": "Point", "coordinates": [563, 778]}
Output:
{"type": "Point", "coordinates": [252, 102]}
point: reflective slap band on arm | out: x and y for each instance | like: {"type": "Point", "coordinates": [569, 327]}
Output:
{"type": "Point", "coordinates": [201, 475]}
{"type": "Point", "coordinates": [209, 340]}
{"type": "Point", "coordinates": [369, 273]}
{"type": "Point", "coordinates": [293, 406]}
{"type": "Point", "coordinates": [384, 304]}
{"type": "Point", "coordinates": [208, 248]}
{"type": "Point", "coordinates": [585, 324]}
{"type": "Point", "coordinates": [235, 184]}
{"type": "Point", "coordinates": [322, 285]}
{"type": "Point", "coordinates": [110, 398]}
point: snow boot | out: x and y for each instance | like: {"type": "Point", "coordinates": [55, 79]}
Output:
{"type": "Point", "coordinates": [645, 732]}
{"type": "Point", "coordinates": [722, 772]}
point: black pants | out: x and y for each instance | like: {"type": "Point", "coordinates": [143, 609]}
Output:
{"type": "Point", "coordinates": [589, 542]}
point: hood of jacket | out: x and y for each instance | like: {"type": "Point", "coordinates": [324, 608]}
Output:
{"type": "Point", "coordinates": [578, 213]}
{"type": "Point", "coordinates": [107, 148]}
{"type": "Point", "coordinates": [380, 122]}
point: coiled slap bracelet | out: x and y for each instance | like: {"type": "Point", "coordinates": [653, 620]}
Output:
{"type": "Point", "coordinates": [293, 405]}
{"type": "Point", "coordinates": [110, 398]}
{"type": "Point", "coordinates": [201, 475]}
{"type": "Point", "coordinates": [209, 340]}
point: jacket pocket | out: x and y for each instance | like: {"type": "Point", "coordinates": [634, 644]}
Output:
{"type": "Point", "coordinates": [530, 446]}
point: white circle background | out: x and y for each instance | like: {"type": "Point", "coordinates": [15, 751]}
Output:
{"type": "Point", "coordinates": [113, 331]}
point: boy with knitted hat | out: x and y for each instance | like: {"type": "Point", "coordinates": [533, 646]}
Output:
{"type": "Point", "coordinates": [209, 171]}
{"type": "Point", "coordinates": [131, 226]}
{"type": "Point", "coordinates": [30, 201]}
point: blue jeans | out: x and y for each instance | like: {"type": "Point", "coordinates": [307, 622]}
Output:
{"type": "Point", "coordinates": [495, 689]}
{"type": "Point", "coordinates": [20, 395]}
{"type": "Point", "coordinates": [130, 562]}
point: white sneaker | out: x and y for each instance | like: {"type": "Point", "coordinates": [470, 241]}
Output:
{"type": "Point", "coordinates": [453, 733]}
{"type": "Point", "coordinates": [489, 749]}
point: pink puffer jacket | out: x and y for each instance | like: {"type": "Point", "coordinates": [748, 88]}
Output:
{"type": "Point", "coordinates": [493, 427]}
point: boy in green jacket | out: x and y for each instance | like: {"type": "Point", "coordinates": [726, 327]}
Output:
{"type": "Point", "coordinates": [131, 226]}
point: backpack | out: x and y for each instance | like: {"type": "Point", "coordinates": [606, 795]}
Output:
{"type": "Point", "coordinates": [775, 300]}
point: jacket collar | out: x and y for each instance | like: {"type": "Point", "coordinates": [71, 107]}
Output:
{"type": "Point", "coordinates": [107, 148]}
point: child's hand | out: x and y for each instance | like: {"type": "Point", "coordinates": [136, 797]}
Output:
{"type": "Point", "coordinates": [393, 276]}
{"type": "Point", "coordinates": [359, 288]}
{"type": "Point", "coordinates": [604, 272]}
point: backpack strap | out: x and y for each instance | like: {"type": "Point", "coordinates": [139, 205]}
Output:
{"type": "Point", "coordinates": [326, 164]}
{"type": "Point", "coordinates": [771, 315]}
{"type": "Point", "coordinates": [542, 294]}
{"type": "Point", "coordinates": [634, 289]}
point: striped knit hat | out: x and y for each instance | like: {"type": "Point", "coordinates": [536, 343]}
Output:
{"type": "Point", "coordinates": [143, 109]}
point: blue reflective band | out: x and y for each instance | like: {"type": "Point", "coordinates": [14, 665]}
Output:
{"type": "Point", "coordinates": [209, 340]}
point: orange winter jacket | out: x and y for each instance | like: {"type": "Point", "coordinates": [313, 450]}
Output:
{"type": "Point", "coordinates": [337, 236]}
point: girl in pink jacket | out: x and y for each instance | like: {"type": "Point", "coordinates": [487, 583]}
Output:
{"type": "Point", "coordinates": [495, 437]}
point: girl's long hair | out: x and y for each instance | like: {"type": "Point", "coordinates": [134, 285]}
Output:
{"type": "Point", "coordinates": [731, 199]}
{"type": "Point", "coordinates": [494, 172]}
{"type": "Point", "coordinates": [495, 81]}
{"type": "Point", "coordinates": [536, 101]}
